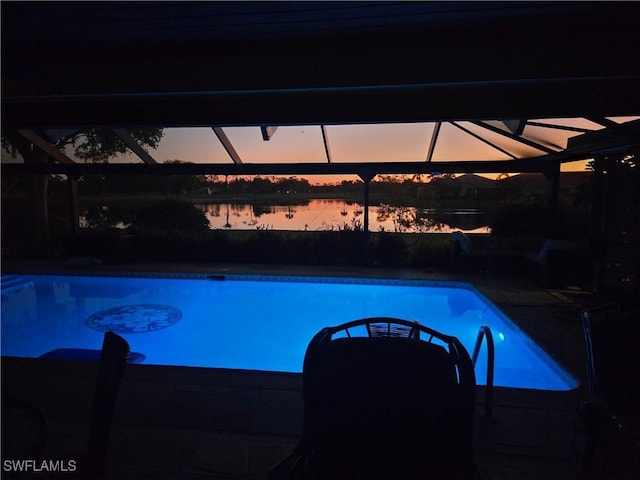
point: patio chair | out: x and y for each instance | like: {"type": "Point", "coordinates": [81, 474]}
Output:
{"type": "Point", "coordinates": [398, 405]}
{"type": "Point", "coordinates": [24, 427]}
{"type": "Point", "coordinates": [612, 414]}
{"type": "Point", "coordinates": [28, 426]}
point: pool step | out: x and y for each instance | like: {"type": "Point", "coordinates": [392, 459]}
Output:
{"type": "Point", "coordinates": [10, 283]}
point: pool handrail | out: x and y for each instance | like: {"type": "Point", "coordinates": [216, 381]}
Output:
{"type": "Point", "coordinates": [485, 333]}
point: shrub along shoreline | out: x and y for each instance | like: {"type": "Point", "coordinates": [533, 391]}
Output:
{"type": "Point", "coordinates": [176, 230]}
{"type": "Point", "coordinates": [340, 247]}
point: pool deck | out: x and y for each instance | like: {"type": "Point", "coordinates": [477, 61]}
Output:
{"type": "Point", "coordinates": [199, 423]}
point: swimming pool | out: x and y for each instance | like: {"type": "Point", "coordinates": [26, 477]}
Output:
{"type": "Point", "coordinates": [252, 322]}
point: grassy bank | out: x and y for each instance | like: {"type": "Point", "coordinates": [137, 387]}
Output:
{"type": "Point", "coordinates": [277, 247]}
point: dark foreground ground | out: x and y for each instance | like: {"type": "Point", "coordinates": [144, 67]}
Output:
{"type": "Point", "coordinates": [197, 423]}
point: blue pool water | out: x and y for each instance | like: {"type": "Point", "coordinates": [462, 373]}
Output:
{"type": "Point", "coordinates": [252, 322]}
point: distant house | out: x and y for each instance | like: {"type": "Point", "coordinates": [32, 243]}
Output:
{"type": "Point", "coordinates": [525, 186]}
{"type": "Point", "coordinates": [577, 187]}
{"type": "Point", "coordinates": [475, 186]}
{"type": "Point", "coordinates": [468, 186]}
{"type": "Point", "coordinates": [573, 180]}
{"type": "Point", "coordinates": [529, 185]}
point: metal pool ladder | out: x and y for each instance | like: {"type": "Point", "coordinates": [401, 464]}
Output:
{"type": "Point", "coordinates": [485, 333]}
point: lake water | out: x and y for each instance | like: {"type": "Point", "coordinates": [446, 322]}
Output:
{"type": "Point", "coordinates": [317, 215]}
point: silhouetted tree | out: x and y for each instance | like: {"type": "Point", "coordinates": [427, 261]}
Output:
{"type": "Point", "coordinates": [95, 145]}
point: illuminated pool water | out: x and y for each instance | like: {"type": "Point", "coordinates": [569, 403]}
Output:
{"type": "Point", "coordinates": [252, 322]}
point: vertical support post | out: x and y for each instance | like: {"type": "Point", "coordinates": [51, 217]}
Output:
{"type": "Point", "coordinates": [74, 209]}
{"type": "Point", "coordinates": [604, 168]}
{"type": "Point", "coordinates": [366, 178]}
{"type": "Point", "coordinates": [553, 174]}
{"type": "Point", "coordinates": [596, 223]}
{"type": "Point", "coordinates": [555, 191]}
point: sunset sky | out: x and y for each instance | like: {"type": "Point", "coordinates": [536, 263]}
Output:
{"type": "Point", "coordinates": [362, 143]}
{"type": "Point", "coordinates": [359, 143]}
{"type": "Point", "coordinates": [348, 143]}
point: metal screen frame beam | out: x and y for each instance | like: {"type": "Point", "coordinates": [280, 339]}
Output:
{"type": "Point", "coordinates": [537, 164]}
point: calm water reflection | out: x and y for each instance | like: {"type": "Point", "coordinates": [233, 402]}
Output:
{"type": "Point", "coordinates": [316, 215]}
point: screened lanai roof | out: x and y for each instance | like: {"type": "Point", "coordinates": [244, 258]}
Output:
{"type": "Point", "coordinates": [456, 146]}
{"type": "Point", "coordinates": [324, 87]}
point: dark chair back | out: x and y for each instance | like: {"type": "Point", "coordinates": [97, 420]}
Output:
{"type": "Point", "coordinates": [388, 406]}
{"type": "Point", "coordinates": [113, 360]}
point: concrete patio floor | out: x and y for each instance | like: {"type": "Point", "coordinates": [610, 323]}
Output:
{"type": "Point", "coordinates": [196, 423]}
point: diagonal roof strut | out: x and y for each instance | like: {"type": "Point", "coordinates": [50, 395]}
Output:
{"type": "Point", "coordinates": [325, 141]}
{"type": "Point", "coordinates": [134, 146]}
{"type": "Point", "coordinates": [558, 127]}
{"type": "Point", "coordinates": [484, 140]}
{"type": "Point", "coordinates": [228, 146]}
{"type": "Point", "coordinates": [45, 146]}
{"type": "Point", "coordinates": [434, 139]}
{"type": "Point", "coordinates": [523, 140]}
